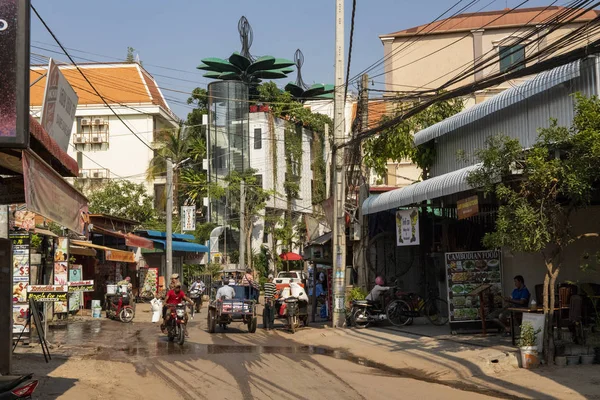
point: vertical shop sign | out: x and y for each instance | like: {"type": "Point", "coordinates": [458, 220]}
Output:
{"type": "Point", "coordinates": [188, 218]}
{"type": "Point", "coordinates": [61, 270]}
{"type": "Point", "coordinates": [20, 266]}
{"type": "Point", "coordinates": [407, 227]}
{"type": "Point", "coordinates": [14, 73]}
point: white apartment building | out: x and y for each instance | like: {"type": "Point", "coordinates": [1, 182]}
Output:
{"type": "Point", "coordinates": [103, 145]}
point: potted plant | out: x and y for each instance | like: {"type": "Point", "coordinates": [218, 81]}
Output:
{"type": "Point", "coordinates": [528, 346]}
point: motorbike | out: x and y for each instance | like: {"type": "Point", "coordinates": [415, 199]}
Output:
{"type": "Point", "coordinates": [366, 312]}
{"type": "Point", "coordinates": [176, 323]}
{"type": "Point", "coordinates": [294, 310]}
{"type": "Point", "coordinates": [118, 306]}
{"type": "Point", "coordinates": [10, 388]}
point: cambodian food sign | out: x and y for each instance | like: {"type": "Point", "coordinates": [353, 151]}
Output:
{"type": "Point", "coordinates": [465, 272]}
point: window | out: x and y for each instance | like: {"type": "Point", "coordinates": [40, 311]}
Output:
{"type": "Point", "coordinates": [259, 181]}
{"type": "Point", "coordinates": [80, 159]}
{"type": "Point", "coordinates": [511, 55]}
{"type": "Point", "coordinates": [257, 138]}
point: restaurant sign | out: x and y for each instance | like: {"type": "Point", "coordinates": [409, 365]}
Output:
{"type": "Point", "coordinates": [468, 207]}
{"type": "Point", "coordinates": [48, 293]}
{"type": "Point", "coordinates": [81, 286]}
{"type": "Point", "coordinates": [407, 227]}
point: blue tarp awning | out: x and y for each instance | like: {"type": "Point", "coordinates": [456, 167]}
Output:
{"type": "Point", "coordinates": [159, 234]}
{"type": "Point", "coordinates": [186, 247]}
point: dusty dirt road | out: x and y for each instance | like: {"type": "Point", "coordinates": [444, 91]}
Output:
{"type": "Point", "coordinates": [103, 359]}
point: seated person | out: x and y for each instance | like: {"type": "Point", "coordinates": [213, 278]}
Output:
{"type": "Point", "coordinates": [225, 291]}
{"type": "Point", "coordinates": [519, 298]}
{"type": "Point", "coordinates": [375, 294]}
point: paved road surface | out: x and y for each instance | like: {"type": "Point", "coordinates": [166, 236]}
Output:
{"type": "Point", "coordinates": [105, 359]}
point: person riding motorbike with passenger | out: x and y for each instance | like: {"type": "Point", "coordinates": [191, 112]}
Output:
{"type": "Point", "coordinates": [174, 297]}
{"type": "Point", "coordinates": [378, 290]}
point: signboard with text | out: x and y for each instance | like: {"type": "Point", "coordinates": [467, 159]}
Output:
{"type": "Point", "coordinates": [407, 227]}
{"type": "Point", "coordinates": [58, 109]}
{"type": "Point", "coordinates": [48, 293]}
{"type": "Point", "coordinates": [468, 207]}
{"type": "Point", "coordinates": [188, 218]}
{"type": "Point", "coordinates": [81, 286]}
{"type": "Point", "coordinates": [14, 73]}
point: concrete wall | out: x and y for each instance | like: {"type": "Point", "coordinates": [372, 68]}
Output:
{"type": "Point", "coordinates": [532, 267]}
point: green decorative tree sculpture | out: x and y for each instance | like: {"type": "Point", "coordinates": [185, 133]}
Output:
{"type": "Point", "coordinates": [301, 90]}
{"type": "Point", "coordinates": [242, 66]}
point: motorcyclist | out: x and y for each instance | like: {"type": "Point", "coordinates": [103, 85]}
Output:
{"type": "Point", "coordinates": [174, 297]}
{"type": "Point", "coordinates": [378, 290]}
{"type": "Point", "coordinates": [198, 286]}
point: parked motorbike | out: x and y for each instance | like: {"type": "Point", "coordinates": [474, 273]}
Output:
{"type": "Point", "coordinates": [176, 323]}
{"type": "Point", "coordinates": [296, 310]}
{"type": "Point", "coordinates": [118, 306]}
{"type": "Point", "coordinates": [10, 388]}
{"type": "Point", "coordinates": [365, 312]}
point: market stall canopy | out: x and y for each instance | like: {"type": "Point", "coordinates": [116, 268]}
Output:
{"type": "Point", "coordinates": [110, 254]}
{"type": "Point", "coordinates": [163, 235]}
{"type": "Point", "coordinates": [82, 251]}
{"type": "Point", "coordinates": [131, 240]}
{"type": "Point", "coordinates": [289, 256]}
{"type": "Point", "coordinates": [44, 232]}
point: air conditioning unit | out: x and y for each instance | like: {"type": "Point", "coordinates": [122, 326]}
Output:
{"type": "Point", "coordinates": [79, 139]}
{"type": "Point", "coordinates": [97, 139]}
{"type": "Point", "coordinates": [83, 174]}
{"type": "Point", "coordinates": [98, 174]}
{"type": "Point", "coordinates": [85, 121]}
{"type": "Point", "coordinates": [98, 121]}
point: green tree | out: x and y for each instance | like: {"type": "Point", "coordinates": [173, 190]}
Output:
{"type": "Point", "coordinates": [539, 189]}
{"type": "Point", "coordinates": [123, 199]}
{"type": "Point", "coordinates": [396, 144]}
{"type": "Point", "coordinates": [130, 54]}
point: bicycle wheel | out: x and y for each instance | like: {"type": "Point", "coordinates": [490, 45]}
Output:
{"type": "Point", "coordinates": [397, 311]}
{"type": "Point", "coordinates": [436, 311]}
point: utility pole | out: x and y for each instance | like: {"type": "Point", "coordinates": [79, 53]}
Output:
{"type": "Point", "coordinates": [242, 224]}
{"type": "Point", "coordinates": [169, 260]}
{"type": "Point", "coordinates": [339, 226]}
{"type": "Point", "coordinates": [363, 277]}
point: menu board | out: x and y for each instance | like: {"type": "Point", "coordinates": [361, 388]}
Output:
{"type": "Point", "coordinates": [465, 272]}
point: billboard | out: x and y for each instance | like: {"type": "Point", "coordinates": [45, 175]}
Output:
{"type": "Point", "coordinates": [58, 109]}
{"type": "Point", "coordinates": [14, 73]}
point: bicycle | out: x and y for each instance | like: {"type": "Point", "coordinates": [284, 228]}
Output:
{"type": "Point", "coordinates": [403, 311]}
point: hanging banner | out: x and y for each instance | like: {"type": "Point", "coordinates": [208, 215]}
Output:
{"type": "Point", "coordinates": [58, 109]}
{"type": "Point", "coordinates": [407, 227]}
{"type": "Point", "coordinates": [14, 73]}
{"type": "Point", "coordinates": [188, 218]}
{"type": "Point", "coordinates": [48, 194]}
{"type": "Point", "coordinates": [468, 207]}
{"type": "Point", "coordinates": [465, 271]}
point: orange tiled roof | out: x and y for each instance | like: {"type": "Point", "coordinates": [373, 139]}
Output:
{"type": "Point", "coordinates": [117, 83]}
{"type": "Point", "coordinates": [492, 20]}
{"type": "Point", "coordinates": [377, 109]}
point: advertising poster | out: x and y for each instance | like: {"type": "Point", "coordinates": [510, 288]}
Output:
{"type": "Point", "coordinates": [150, 283]}
{"type": "Point", "coordinates": [407, 227]}
{"type": "Point", "coordinates": [75, 301]}
{"type": "Point", "coordinates": [465, 272]}
{"type": "Point", "coordinates": [61, 273]}
{"type": "Point", "coordinates": [188, 218]}
{"type": "Point", "coordinates": [75, 272]}
{"type": "Point", "coordinates": [20, 292]}
{"type": "Point", "coordinates": [50, 293]}
{"type": "Point", "coordinates": [81, 286]}
{"type": "Point", "coordinates": [20, 218]}
{"type": "Point", "coordinates": [62, 248]}
{"type": "Point", "coordinates": [20, 260]}
{"type": "Point", "coordinates": [20, 312]}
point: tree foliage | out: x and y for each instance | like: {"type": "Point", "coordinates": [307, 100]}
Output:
{"type": "Point", "coordinates": [540, 188]}
{"type": "Point", "coordinates": [396, 144]}
{"type": "Point", "coordinates": [123, 199]}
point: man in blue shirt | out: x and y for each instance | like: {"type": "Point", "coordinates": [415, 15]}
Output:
{"type": "Point", "coordinates": [519, 298]}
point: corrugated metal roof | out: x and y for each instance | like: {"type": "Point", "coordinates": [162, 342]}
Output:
{"type": "Point", "coordinates": [540, 83]}
{"type": "Point", "coordinates": [443, 185]}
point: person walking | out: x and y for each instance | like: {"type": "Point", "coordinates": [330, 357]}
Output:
{"type": "Point", "coordinates": [270, 291]}
{"type": "Point", "coordinates": [248, 283]}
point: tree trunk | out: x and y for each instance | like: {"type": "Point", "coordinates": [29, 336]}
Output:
{"type": "Point", "coordinates": [546, 310]}
{"type": "Point", "coordinates": [549, 305]}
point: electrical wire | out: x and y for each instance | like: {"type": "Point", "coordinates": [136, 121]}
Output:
{"type": "Point", "coordinates": [350, 49]}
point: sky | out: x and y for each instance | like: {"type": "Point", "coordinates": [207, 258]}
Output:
{"type": "Point", "coordinates": [171, 37]}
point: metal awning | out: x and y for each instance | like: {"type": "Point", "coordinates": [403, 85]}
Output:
{"type": "Point", "coordinates": [321, 240]}
{"type": "Point", "coordinates": [82, 251]}
{"type": "Point", "coordinates": [110, 253]}
{"type": "Point", "coordinates": [186, 247]}
{"type": "Point", "coordinates": [443, 185]}
{"type": "Point", "coordinates": [539, 84]}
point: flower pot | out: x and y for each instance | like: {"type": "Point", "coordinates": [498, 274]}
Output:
{"type": "Point", "coordinates": [572, 360]}
{"type": "Point", "coordinates": [588, 359]}
{"type": "Point", "coordinates": [529, 357]}
{"type": "Point", "coordinates": [560, 361]}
